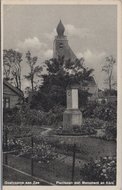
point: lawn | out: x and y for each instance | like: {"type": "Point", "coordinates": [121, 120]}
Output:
{"type": "Point", "coordinates": [60, 169]}
{"type": "Point", "coordinates": [57, 170]}
{"type": "Point", "coordinates": [87, 147]}
{"type": "Point", "coordinates": [14, 177]}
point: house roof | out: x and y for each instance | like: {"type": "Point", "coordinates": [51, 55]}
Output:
{"type": "Point", "coordinates": [16, 90]}
{"type": "Point", "coordinates": [91, 82]}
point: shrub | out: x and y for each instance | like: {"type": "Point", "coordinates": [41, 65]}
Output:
{"type": "Point", "coordinates": [106, 111]}
{"type": "Point", "coordinates": [103, 170]}
{"type": "Point", "coordinates": [88, 110]}
{"type": "Point", "coordinates": [13, 144]}
{"type": "Point", "coordinates": [11, 116]}
{"type": "Point", "coordinates": [93, 123]}
{"type": "Point", "coordinates": [27, 116]}
{"type": "Point", "coordinates": [55, 115]}
{"type": "Point", "coordinates": [88, 127]}
{"type": "Point", "coordinates": [110, 131]}
{"type": "Point", "coordinates": [42, 152]}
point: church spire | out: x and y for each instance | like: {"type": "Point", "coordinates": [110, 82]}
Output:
{"type": "Point", "coordinates": [60, 29]}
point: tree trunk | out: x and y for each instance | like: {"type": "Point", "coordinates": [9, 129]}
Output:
{"type": "Point", "coordinates": [110, 80]}
{"type": "Point", "coordinates": [19, 82]}
{"type": "Point", "coordinates": [16, 79]}
{"type": "Point", "coordinates": [32, 84]}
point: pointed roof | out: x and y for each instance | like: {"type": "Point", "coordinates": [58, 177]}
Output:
{"type": "Point", "coordinates": [60, 29]}
{"type": "Point", "coordinates": [16, 90]}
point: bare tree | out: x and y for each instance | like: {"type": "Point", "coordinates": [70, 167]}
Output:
{"type": "Point", "coordinates": [12, 66]}
{"type": "Point", "coordinates": [34, 70]}
{"type": "Point", "coordinates": [108, 68]}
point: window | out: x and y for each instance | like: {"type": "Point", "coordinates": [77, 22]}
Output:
{"type": "Point", "coordinates": [6, 102]}
{"type": "Point", "coordinates": [61, 45]}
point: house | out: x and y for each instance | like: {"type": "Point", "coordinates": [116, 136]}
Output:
{"type": "Point", "coordinates": [107, 96]}
{"type": "Point", "coordinates": [92, 88]}
{"type": "Point", "coordinates": [12, 96]}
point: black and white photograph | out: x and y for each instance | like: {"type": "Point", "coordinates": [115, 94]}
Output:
{"type": "Point", "coordinates": [60, 94]}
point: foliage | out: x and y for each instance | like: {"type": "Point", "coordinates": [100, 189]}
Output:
{"type": "Point", "coordinates": [41, 152]}
{"type": "Point", "coordinates": [93, 123]}
{"type": "Point", "coordinates": [108, 68]}
{"type": "Point", "coordinates": [12, 66]}
{"type": "Point", "coordinates": [103, 170]}
{"type": "Point", "coordinates": [26, 116]}
{"type": "Point", "coordinates": [39, 117]}
{"type": "Point", "coordinates": [106, 111]}
{"type": "Point", "coordinates": [111, 92]}
{"type": "Point", "coordinates": [55, 115]}
{"type": "Point", "coordinates": [102, 116]}
{"type": "Point", "coordinates": [88, 127]}
{"type": "Point", "coordinates": [110, 131]}
{"type": "Point", "coordinates": [13, 144]}
{"type": "Point", "coordinates": [60, 74]}
{"type": "Point", "coordinates": [20, 121]}
{"type": "Point", "coordinates": [88, 111]}
{"type": "Point", "coordinates": [34, 70]}
{"type": "Point", "coordinates": [11, 116]}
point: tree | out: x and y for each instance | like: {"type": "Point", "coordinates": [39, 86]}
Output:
{"type": "Point", "coordinates": [108, 68]}
{"type": "Point", "coordinates": [60, 74]}
{"type": "Point", "coordinates": [12, 66]}
{"type": "Point", "coordinates": [34, 70]}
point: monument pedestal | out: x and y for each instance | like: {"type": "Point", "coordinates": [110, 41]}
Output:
{"type": "Point", "coordinates": [72, 120]}
{"type": "Point", "coordinates": [72, 117]}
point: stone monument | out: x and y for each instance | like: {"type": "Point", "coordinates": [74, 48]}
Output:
{"type": "Point", "coordinates": [72, 117]}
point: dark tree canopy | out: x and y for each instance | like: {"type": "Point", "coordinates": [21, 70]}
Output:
{"type": "Point", "coordinates": [12, 66]}
{"type": "Point", "coordinates": [60, 74]}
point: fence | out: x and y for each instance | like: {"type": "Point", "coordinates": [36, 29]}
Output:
{"type": "Point", "coordinates": [54, 158]}
{"type": "Point", "coordinates": [30, 164]}
{"type": "Point", "coordinates": [7, 150]}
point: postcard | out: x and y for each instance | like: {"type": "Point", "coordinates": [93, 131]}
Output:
{"type": "Point", "coordinates": [61, 94]}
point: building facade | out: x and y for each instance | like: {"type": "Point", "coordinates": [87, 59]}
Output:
{"type": "Point", "coordinates": [61, 48]}
{"type": "Point", "coordinates": [12, 97]}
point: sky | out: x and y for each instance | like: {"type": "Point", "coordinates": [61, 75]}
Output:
{"type": "Point", "coordinates": [91, 31]}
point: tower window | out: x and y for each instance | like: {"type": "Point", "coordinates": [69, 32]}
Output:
{"type": "Point", "coordinates": [61, 45]}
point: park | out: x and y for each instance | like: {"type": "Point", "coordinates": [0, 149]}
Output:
{"type": "Point", "coordinates": [63, 132]}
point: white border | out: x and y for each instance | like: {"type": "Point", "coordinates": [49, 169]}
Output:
{"type": "Point", "coordinates": [119, 82]}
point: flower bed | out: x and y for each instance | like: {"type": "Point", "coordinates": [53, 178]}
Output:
{"type": "Point", "coordinates": [102, 170]}
{"type": "Point", "coordinates": [42, 152]}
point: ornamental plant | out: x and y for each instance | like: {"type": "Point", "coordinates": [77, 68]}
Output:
{"type": "Point", "coordinates": [102, 170]}
{"type": "Point", "coordinates": [13, 144]}
{"type": "Point", "coordinates": [41, 152]}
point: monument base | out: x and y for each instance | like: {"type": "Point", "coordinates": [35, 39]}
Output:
{"type": "Point", "coordinates": [72, 121]}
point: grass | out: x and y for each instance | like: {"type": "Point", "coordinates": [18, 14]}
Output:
{"type": "Point", "coordinates": [60, 169]}
{"type": "Point", "coordinates": [56, 170]}
{"type": "Point", "coordinates": [88, 147]}
{"type": "Point", "coordinates": [10, 176]}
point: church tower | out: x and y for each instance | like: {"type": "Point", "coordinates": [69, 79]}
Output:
{"type": "Point", "coordinates": [61, 46]}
